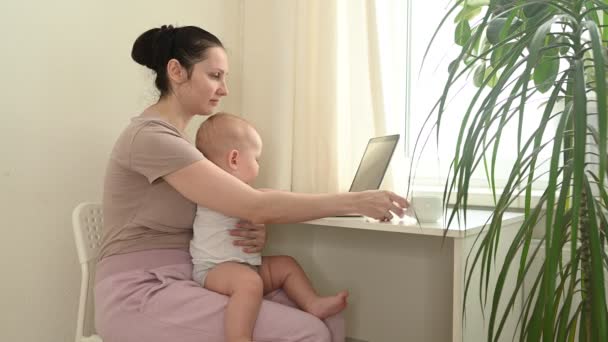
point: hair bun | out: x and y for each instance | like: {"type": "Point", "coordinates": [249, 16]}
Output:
{"type": "Point", "coordinates": [153, 48]}
{"type": "Point", "coordinates": [167, 29]}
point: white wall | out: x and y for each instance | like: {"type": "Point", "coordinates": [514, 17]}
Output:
{"type": "Point", "coordinates": [67, 88]}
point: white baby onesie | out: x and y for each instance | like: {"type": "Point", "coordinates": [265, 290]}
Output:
{"type": "Point", "coordinates": [211, 243]}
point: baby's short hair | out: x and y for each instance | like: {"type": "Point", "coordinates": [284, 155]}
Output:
{"type": "Point", "coordinates": [221, 133]}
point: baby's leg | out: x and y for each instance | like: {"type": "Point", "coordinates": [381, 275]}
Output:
{"type": "Point", "coordinates": [284, 272]}
{"type": "Point", "coordinates": [245, 288]}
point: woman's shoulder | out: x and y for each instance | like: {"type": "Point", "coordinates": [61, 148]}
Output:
{"type": "Point", "coordinates": [152, 138]}
{"type": "Point", "coordinates": [145, 130]}
{"type": "Point", "coordinates": [152, 125]}
{"type": "Point", "coordinates": [152, 148]}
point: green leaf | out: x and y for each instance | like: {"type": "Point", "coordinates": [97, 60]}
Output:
{"type": "Point", "coordinates": [597, 297]}
{"type": "Point", "coordinates": [473, 51]}
{"type": "Point", "coordinates": [588, 64]}
{"type": "Point", "coordinates": [467, 13]}
{"type": "Point", "coordinates": [515, 25]}
{"type": "Point", "coordinates": [579, 146]}
{"type": "Point", "coordinates": [539, 39]}
{"type": "Point", "coordinates": [462, 33]}
{"type": "Point", "coordinates": [494, 29]}
{"type": "Point", "coordinates": [493, 78]}
{"type": "Point", "coordinates": [477, 3]}
{"type": "Point", "coordinates": [551, 48]}
{"type": "Point", "coordinates": [499, 53]}
{"type": "Point", "coordinates": [563, 50]}
{"type": "Point", "coordinates": [599, 67]}
{"type": "Point", "coordinates": [499, 6]}
{"type": "Point", "coordinates": [605, 30]}
{"type": "Point", "coordinates": [453, 66]}
{"type": "Point", "coordinates": [545, 73]}
{"type": "Point", "coordinates": [534, 10]}
{"type": "Point", "coordinates": [479, 75]}
{"type": "Point", "coordinates": [469, 60]}
{"type": "Point", "coordinates": [505, 3]}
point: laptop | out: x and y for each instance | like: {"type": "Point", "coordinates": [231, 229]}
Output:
{"type": "Point", "coordinates": [373, 165]}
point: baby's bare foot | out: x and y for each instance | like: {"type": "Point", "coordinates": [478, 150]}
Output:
{"type": "Point", "coordinates": [323, 307]}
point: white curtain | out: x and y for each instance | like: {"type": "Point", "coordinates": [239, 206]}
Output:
{"type": "Point", "coordinates": [312, 86]}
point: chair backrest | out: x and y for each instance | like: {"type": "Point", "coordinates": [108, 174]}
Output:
{"type": "Point", "coordinates": [87, 221]}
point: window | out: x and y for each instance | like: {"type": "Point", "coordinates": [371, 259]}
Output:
{"type": "Point", "coordinates": [414, 91]}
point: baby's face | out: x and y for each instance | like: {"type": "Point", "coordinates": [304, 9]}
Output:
{"type": "Point", "coordinates": [248, 167]}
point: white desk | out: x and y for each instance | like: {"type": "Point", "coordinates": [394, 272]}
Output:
{"type": "Point", "coordinates": [476, 219]}
{"type": "Point", "coordinates": [406, 281]}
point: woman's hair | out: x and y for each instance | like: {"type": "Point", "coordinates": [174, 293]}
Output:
{"type": "Point", "coordinates": [188, 45]}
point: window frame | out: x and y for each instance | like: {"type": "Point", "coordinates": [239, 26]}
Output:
{"type": "Point", "coordinates": [480, 195]}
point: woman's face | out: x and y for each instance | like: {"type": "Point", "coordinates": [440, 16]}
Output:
{"type": "Point", "coordinates": [207, 84]}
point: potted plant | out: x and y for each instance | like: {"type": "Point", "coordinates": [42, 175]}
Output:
{"type": "Point", "coordinates": [512, 50]}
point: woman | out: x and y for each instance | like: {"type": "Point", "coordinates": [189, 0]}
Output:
{"type": "Point", "coordinates": [155, 178]}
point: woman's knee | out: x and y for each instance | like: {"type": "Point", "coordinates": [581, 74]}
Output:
{"type": "Point", "coordinates": [316, 331]}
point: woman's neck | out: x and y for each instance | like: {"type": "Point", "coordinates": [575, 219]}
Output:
{"type": "Point", "coordinates": [171, 111]}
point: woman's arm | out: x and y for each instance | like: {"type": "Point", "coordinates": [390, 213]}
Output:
{"type": "Point", "coordinates": [207, 185]}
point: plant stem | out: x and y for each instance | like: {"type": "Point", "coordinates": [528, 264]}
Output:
{"type": "Point", "coordinates": [585, 264]}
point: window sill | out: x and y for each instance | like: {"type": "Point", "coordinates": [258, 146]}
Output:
{"type": "Point", "coordinates": [479, 197]}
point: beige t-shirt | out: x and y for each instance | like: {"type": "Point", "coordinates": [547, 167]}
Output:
{"type": "Point", "coordinates": [140, 210]}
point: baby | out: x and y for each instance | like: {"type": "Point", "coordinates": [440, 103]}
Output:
{"type": "Point", "coordinates": [234, 145]}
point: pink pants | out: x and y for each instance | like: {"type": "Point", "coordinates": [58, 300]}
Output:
{"type": "Point", "coordinates": [150, 296]}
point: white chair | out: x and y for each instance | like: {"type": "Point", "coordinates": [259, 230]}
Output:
{"type": "Point", "coordinates": [87, 221]}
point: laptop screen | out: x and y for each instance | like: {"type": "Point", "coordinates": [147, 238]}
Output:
{"type": "Point", "coordinates": [374, 163]}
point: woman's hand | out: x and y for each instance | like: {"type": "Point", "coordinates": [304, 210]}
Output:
{"type": "Point", "coordinates": [253, 236]}
{"type": "Point", "coordinates": [381, 205]}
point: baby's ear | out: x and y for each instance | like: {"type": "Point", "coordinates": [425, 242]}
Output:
{"type": "Point", "coordinates": [233, 159]}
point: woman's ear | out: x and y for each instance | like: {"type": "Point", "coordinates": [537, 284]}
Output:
{"type": "Point", "coordinates": [176, 72]}
{"type": "Point", "coordinates": [233, 160]}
